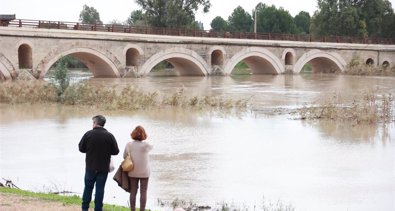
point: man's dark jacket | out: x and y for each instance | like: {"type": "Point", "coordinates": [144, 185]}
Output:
{"type": "Point", "coordinates": [99, 145]}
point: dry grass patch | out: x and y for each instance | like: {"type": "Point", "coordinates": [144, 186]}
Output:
{"type": "Point", "coordinates": [27, 92]}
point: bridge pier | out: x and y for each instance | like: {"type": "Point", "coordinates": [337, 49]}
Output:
{"type": "Point", "coordinates": [289, 69]}
{"type": "Point", "coordinates": [131, 72]}
{"type": "Point", "coordinates": [217, 70]}
{"type": "Point", "coordinates": [26, 74]}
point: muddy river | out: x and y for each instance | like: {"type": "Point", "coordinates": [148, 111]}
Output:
{"type": "Point", "coordinates": [246, 160]}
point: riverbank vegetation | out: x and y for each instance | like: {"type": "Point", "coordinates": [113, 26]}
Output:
{"type": "Point", "coordinates": [111, 98]}
{"type": "Point", "coordinates": [264, 205]}
{"type": "Point", "coordinates": [358, 67]}
{"type": "Point", "coordinates": [42, 200]}
{"type": "Point", "coordinates": [64, 200]}
{"type": "Point", "coordinates": [368, 107]}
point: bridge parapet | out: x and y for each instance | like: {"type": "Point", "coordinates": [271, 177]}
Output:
{"type": "Point", "coordinates": [67, 25]}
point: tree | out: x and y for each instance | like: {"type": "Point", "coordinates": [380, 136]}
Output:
{"type": "Point", "coordinates": [271, 19]}
{"type": "Point", "coordinates": [353, 18]}
{"type": "Point", "coordinates": [362, 29]}
{"type": "Point", "coordinates": [62, 79]}
{"type": "Point", "coordinates": [240, 20]}
{"type": "Point", "coordinates": [325, 19]}
{"type": "Point", "coordinates": [136, 18]}
{"type": "Point", "coordinates": [302, 22]}
{"type": "Point", "coordinates": [389, 26]}
{"type": "Point", "coordinates": [90, 15]}
{"type": "Point", "coordinates": [172, 13]}
{"type": "Point", "coordinates": [219, 24]}
{"type": "Point", "coordinates": [376, 13]}
{"type": "Point", "coordinates": [349, 21]}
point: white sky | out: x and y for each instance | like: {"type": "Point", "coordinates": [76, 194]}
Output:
{"type": "Point", "coordinates": [69, 10]}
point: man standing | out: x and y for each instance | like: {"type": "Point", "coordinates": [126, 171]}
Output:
{"type": "Point", "coordinates": [99, 145]}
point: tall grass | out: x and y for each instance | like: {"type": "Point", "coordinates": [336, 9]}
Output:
{"type": "Point", "coordinates": [27, 92]}
{"type": "Point", "coordinates": [367, 107]}
{"type": "Point", "coordinates": [357, 67]}
{"type": "Point", "coordinates": [111, 98]}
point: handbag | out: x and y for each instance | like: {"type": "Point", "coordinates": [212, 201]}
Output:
{"type": "Point", "coordinates": [127, 163]}
{"type": "Point", "coordinates": [111, 166]}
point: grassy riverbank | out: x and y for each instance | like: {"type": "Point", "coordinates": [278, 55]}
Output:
{"type": "Point", "coordinates": [43, 201]}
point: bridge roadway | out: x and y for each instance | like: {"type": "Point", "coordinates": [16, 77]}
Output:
{"type": "Point", "coordinates": [28, 53]}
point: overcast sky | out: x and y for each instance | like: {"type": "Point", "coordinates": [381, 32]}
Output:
{"type": "Point", "coordinates": [69, 10]}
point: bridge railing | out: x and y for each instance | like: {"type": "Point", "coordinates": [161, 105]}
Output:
{"type": "Point", "coordinates": [192, 32]}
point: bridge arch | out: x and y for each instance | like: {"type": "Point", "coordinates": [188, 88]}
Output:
{"type": "Point", "coordinates": [185, 61]}
{"type": "Point", "coordinates": [320, 61]}
{"type": "Point", "coordinates": [7, 70]}
{"type": "Point", "coordinates": [260, 60]}
{"type": "Point", "coordinates": [289, 56]}
{"type": "Point", "coordinates": [98, 63]}
{"type": "Point", "coordinates": [132, 55]}
{"type": "Point", "coordinates": [216, 55]}
{"type": "Point", "coordinates": [25, 56]}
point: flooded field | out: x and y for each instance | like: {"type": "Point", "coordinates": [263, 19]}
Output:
{"type": "Point", "coordinates": [246, 160]}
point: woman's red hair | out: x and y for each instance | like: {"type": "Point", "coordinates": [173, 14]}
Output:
{"type": "Point", "coordinates": [138, 134]}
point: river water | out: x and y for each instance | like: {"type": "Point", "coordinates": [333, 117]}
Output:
{"type": "Point", "coordinates": [245, 160]}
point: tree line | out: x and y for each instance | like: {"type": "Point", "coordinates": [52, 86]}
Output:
{"type": "Point", "coordinates": [357, 18]}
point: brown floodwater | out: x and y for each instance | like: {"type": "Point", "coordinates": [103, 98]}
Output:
{"type": "Point", "coordinates": [246, 160]}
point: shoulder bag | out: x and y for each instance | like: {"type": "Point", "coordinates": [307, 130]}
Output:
{"type": "Point", "coordinates": [127, 163]}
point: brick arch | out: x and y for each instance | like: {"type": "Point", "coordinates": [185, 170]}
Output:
{"type": "Point", "coordinates": [185, 61]}
{"type": "Point", "coordinates": [321, 61]}
{"type": "Point", "coordinates": [260, 60]}
{"type": "Point", "coordinates": [98, 63]}
{"type": "Point", "coordinates": [289, 56]}
{"type": "Point", "coordinates": [6, 68]}
{"type": "Point", "coordinates": [219, 56]}
{"type": "Point", "coordinates": [132, 54]}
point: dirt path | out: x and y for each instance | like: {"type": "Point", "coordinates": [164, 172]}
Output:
{"type": "Point", "coordinates": [11, 202]}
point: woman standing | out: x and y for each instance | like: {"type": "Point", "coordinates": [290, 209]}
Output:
{"type": "Point", "coordinates": [138, 149]}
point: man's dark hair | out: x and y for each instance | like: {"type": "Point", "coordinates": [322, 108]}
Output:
{"type": "Point", "coordinates": [99, 120]}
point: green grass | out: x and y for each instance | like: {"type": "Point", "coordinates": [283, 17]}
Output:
{"type": "Point", "coordinates": [65, 200]}
{"type": "Point", "coordinates": [241, 69]}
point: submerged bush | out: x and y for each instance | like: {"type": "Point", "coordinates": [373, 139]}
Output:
{"type": "Point", "coordinates": [62, 79]}
{"type": "Point", "coordinates": [367, 107]}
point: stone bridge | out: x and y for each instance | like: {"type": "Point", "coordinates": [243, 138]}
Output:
{"type": "Point", "coordinates": [30, 53]}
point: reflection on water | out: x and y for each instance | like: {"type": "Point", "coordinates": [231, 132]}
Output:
{"type": "Point", "coordinates": [355, 133]}
{"type": "Point", "coordinates": [209, 158]}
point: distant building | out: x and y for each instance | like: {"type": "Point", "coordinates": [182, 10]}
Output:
{"type": "Point", "coordinates": [200, 25]}
{"type": "Point", "coordinates": [5, 19]}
